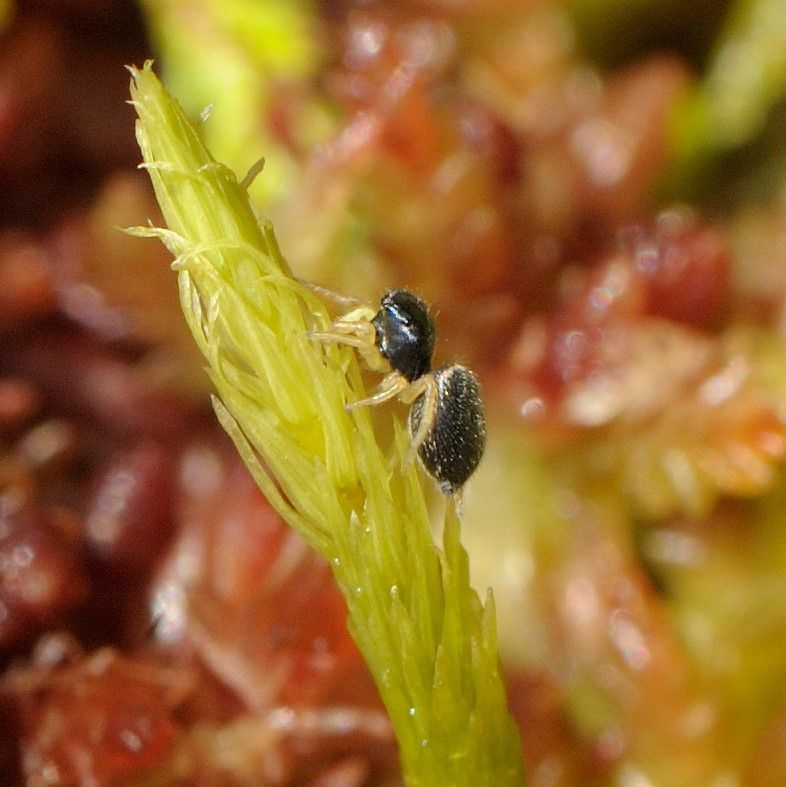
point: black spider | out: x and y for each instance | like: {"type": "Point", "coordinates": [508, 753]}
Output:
{"type": "Point", "coordinates": [446, 421]}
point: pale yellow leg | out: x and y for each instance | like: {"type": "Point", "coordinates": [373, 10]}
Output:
{"type": "Point", "coordinates": [390, 387]}
{"type": "Point", "coordinates": [328, 337]}
{"type": "Point", "coordinates": [355, 330]}
{"type": "Point", "coordinates": [426, 386]}
{"type": "Point", "coordinates": [330, 295]}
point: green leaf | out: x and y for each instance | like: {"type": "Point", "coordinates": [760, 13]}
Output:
{"type": "Point", "coordinates": [428, 641]}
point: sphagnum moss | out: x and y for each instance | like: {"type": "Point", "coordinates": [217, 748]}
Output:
{"type": "Point", "coordinates": [429, 642]}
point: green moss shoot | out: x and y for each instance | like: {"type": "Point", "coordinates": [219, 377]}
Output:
{"type": "Point", "coordinates": [429, 642]}
{"type": "Point", "coordinates": [745, 79]}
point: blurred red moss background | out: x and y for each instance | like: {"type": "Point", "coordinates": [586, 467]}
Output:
{"type": "Point", "coordinates": [517, 166]}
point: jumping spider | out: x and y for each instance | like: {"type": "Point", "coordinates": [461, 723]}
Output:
{"type": "Point", "coordinates": [446, 421]}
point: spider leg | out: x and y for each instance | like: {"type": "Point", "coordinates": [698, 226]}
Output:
{"type": "Point", "coordinates": [330, 295]}
{"type": "Point", "coordinates": [355, 329]}
{"type": "Point", "coordinates": [391, 386]}
{"type": "Point", "coordinates": [328, 337]}
{"type": "Point", "coordinates": [427, 387]}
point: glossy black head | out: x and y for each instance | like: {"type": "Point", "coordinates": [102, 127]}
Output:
{"type": "Point", "coordinates": [405, 333]}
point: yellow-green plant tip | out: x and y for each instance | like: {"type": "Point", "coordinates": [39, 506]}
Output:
{"type": "Point", "coordinates": [281, 398]}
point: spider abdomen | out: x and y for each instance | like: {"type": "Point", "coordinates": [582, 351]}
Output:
{"type": "Point", "coordinates": [454, 441]}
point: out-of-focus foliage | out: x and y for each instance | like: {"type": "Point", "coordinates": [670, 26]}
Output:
{"type": "Point", "coordinates": [240, 61]}
{"type": "Point", "coordinates": [745, 77]}
{"type": "Point", "coordinates": [427, 639]}
{"type": "Point", "coordinates": [712, 429]}
{"type": "Point", "coordinates": [726, 577]}
{"type": "Point", "coordinates": [614, 31]}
